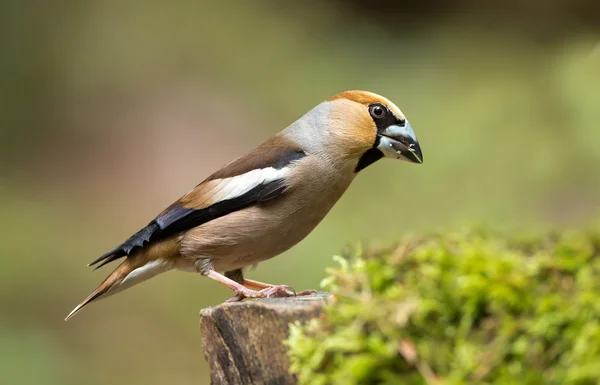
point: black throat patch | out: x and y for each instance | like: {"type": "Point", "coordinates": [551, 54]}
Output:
{"type": "Point", "coordinates": [368, 158]}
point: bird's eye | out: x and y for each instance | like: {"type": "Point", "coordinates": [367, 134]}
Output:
{"type": "Point", "coordinates": [377, 111]}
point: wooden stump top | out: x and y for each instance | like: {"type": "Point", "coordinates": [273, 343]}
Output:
{"type": "Point", "coordinates": [243, 341]}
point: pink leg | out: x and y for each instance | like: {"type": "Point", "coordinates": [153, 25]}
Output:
{"type": "Point", "coordinates": [243, 292]}
{"type": "Point", "coordinates": [256, 284]}
{"type": "Point", "coordinates": [261, 285]}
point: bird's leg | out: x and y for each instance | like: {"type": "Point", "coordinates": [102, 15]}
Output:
{"type": "Point", "coordinates": [238, 276]}
{"type": "Point", "coordinates": [243, 292]}
{"type": "Point", "coordinates": [261, 285]}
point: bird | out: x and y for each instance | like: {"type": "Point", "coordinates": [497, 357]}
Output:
{"type": "Point", "coordinates": [266, 201]}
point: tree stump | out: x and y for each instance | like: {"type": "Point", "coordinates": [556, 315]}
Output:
{"type": "Point", "coordinates": [243, 341]}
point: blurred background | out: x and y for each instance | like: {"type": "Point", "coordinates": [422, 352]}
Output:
{"type": "Point", "coordinates": [111, 110]}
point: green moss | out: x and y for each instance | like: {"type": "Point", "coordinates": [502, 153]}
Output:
{"type": "Point", "coordinates": [456, 309]}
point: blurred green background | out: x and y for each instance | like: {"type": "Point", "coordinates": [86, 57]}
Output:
{"type": "Point", "coordinates": [111, 110]}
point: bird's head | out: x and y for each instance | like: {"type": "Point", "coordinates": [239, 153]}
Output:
{"type": "Point", "coordinates": [370, 127]}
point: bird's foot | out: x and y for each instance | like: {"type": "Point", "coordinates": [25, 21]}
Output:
{"type": "Point", "coordinates": [235, 298]}
{"type": "Point", "coordinates": [306, 292]}
{"type": "Point", "coordinates": [275, 291]}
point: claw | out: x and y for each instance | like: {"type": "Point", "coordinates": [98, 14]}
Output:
{"type": "Point", "coordinates": [276, 291]}
{"type": "Point", "coordinates": [235, 298]}
{"type": "Point", "coordinates": [306, 292]}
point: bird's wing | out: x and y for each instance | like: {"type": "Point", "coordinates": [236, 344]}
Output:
{"type": "Point", "coordinates": [256, 177]}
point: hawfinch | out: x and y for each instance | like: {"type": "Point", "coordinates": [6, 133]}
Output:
{"type": "Point", "coordinates": [265, 202]}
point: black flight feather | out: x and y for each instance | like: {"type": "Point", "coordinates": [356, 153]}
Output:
{"type": "Point", "coordinates": [179, 219]}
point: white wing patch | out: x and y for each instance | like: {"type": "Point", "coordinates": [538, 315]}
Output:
{"type": "Point", "coordinates": [241, 184]}
{"type": "Point", "coordinates": [218, 190]}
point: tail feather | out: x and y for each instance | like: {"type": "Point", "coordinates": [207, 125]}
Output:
{"type": "Point", "coordinates": [113, 281]}
{"type": "Point", "coordinates": [95, 294]}
{"type": "Point", "coordinates": [128, 273]}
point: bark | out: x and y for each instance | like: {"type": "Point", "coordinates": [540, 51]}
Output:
{"type": "Point", "coordinates": [243, 341]}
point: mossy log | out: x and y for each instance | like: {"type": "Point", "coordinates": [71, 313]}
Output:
{"type": "Point", "coordinates": [459, 308]}
{"type": "Point", "coordinates": [243, 341]}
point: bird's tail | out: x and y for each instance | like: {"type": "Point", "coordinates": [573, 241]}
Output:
{"type": "Point", "coordinates": [125, 276]}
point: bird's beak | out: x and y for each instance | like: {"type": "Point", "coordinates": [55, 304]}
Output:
{"type": "Point", "coordinates": [400, 142]}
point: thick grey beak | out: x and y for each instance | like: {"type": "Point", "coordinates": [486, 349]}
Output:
{"type": "Point", "coordinates": [400, 142]}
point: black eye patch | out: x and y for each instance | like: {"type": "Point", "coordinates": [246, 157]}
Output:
{"type": "Point", "coordinates": [383, 117]}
